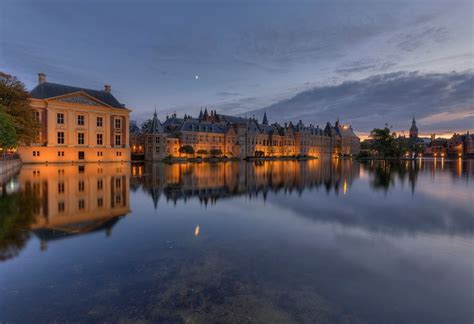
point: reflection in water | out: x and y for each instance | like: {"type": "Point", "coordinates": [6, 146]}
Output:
{"type": "Point", "coordinates": [210, 182]}
{"type": "Point", "coordinates": [62, 201]}
{"type": "Point", "coordinates": [274, 242]}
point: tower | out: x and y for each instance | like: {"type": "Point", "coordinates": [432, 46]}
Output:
{"type": "Point", "coordinates": [413, 130]}
{"type": "Point", "coordinates": [265, 119]}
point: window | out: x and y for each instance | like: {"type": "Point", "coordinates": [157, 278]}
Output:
{"type": "Point", "coordinates": [157, 149]}
{"type": "Point", "coordinates": [81, 186]}
{"type": "Point", "coordinates": [36, 116]}
{"type": "Point", "coordinates": [81, 168]}
{"type": "Point", "coordinates": [117, 139]}
{"type": "Point", "coordinates": [100, 184]}
{"type": "Point", "coordinates": [36, 153]}
{"type": "Point", "coordinates": [157, 140]}
{"type": "Point", "coordinates": [100, 153]}
{"type": "Point", "coordinates": [82, 204]}
{"type": "Point", "coordinates": [118, 183]}
{"type": "Point", "coordinates": [118, 123]}
{"type": "Point", "coordinates": [60, 137]}
{"type": "Point", "coordinates": [61, 206]}
{"type": "Point", "coordinates": [60, 153]}
{"type": "Point", "coordinates": [80, 155]}
{"type": "Point", "coordinates": [60, 118]}
{"type": "Point", "coordinates": [99, 139]}
{"type": "Point", "coordinates": [99, 121]}
{"type": "Point", "coordinates": [61, 187]}
{"type": "Point", "coordinates": [80, 138]}
{"type": "Point", "coordinates": [118, 154]}
{"type": "Point", "coordinates": [100, 202]}
{"type": "Point", "coordinates": [80, 120]}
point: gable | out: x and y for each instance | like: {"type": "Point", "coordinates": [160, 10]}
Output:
{"type": "Point", "coordinates": [80, 98]}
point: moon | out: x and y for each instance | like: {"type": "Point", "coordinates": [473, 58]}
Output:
{"type": "Point", "coordinates": [196, 77]}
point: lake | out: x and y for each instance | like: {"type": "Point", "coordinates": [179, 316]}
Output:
{"type": "Point", "coordinates": [320, 241]}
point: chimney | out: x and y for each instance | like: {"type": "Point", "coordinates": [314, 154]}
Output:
{"type": "Point", "coordinates": [107, 88]}
{"type": "Point", "coordinates": [41, 78]}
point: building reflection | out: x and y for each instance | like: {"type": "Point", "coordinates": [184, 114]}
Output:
{"type": "Point", "coordinates": [75, 199]}
{"type": "Point", "coordinates": [212, 181]}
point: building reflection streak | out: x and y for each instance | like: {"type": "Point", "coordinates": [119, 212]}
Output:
{"type": "Point", "coordinates": [212, 181]}
{"type": "Point", "coordinates": [76, 199]}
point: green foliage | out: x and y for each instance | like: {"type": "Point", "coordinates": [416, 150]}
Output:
{"type": "Point", "coordinates": [186, 149]}
{"type": "Point", "coordinates": [215, 152]}
{"type": "Point", "coordinates": [14, 99]}
{"type": "Point", "coordinates": [8, 138]}
{"type": "Point", "coordinates": [202, 152]}
{"type": "Point", "coordinates": [386, 144]}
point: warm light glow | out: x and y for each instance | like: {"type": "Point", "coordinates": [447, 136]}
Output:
{"type": "Point", "coordinates": [196, 231]}
{"type": "Point", "coordinates": [344, 187]}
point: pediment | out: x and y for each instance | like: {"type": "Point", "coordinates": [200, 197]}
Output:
{"type": "Point", "coordinates": [80, 98]}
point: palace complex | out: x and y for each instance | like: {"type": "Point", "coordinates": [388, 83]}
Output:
{"type": "Point", "coordinates": [77, 125]}
{"type": "Point", "coordinates": [213, 134]}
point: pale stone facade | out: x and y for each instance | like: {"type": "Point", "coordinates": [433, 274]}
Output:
{"type": "Point", "coordinates": [77, 125]}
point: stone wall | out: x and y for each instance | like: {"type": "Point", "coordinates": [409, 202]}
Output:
{"type": "Point", "coordinates": [9, 168]}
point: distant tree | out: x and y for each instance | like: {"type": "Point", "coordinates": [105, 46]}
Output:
{"type": "Point", "coordinates": [145, 125]}
{"type": "Point", "coordinates": [202, 152]}
{"type": "Point", "coordinates": [259, 153]}
{"type": "Point", "coordinates": [386, 143]}
{"type": "Point", "coordinates": [133, 127]}
{"type": "Point", "coordinates": [14, 99]}
{"type": "Point", "coordinates": [215, 152]}
{"type": "Point", "coordinates": [8, 138]}
{"type": "Point", "coordinates": [186, 149]}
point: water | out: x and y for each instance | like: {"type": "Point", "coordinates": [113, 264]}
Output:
{"type": "Point", "coordinates": [275, 242]}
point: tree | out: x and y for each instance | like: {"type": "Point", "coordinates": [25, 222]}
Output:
{"type": "Point", "coordinates": [259, 153]}
{"type": "Point", "coordinates": [186, 149]}
{"type": "Point", "coordinates": [146, 125]}
{"type": "Point", "coordinates": [14, 99]}
{"type": "Point", "coordinates": [215, 152]}
{"type": "Point", "coordinates": [386, 144]}
{"type": "Point", "coordinates": [8, 138]}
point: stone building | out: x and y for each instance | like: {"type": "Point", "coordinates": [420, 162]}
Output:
{"type": "Point", "coordinates": [216, 134]}
{"type": "Point", "coordinates": [77, 125]}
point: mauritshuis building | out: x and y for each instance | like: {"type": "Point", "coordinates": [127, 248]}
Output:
{"type": "Point", "coordinates": [244, 137]}
{"type": "Point", "coordinates": [85, 125]}
{"type": "Point", "coordinates": [77, 124]}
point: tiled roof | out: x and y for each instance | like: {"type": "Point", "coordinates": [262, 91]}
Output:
{"type": "Point", "coordinates": [49, 90]}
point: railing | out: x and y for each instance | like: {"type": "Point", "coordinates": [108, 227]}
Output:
{"type": "Point", "coordinates": [9, 156]}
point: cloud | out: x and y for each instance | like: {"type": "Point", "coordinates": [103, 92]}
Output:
{"type": "Point", "coordinates": [440, 101]}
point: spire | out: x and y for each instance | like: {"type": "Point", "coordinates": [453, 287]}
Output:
{"type": "Point", "coordinates": [200, 115]}
{"type": "Point", "coordinates": [154, 114]}
{"type": "Point", "coordinates": [265, 119]}
{"type": "Point", "coordinates": [206, 114]}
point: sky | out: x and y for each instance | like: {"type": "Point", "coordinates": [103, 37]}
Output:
{"type": "Point", "coordinates": [366, 62]}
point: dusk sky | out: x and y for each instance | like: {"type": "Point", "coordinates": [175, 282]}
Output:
{"type": "Point", "coordinates": [368, 62]}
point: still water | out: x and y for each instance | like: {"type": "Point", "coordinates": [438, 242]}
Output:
{"type": "Point", "coordinates": [274, 242]}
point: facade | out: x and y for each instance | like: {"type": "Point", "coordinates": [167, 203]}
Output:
{"type": "Point", "coordinates": [213, 134]}
{"type": "Point", "coordinates": [459, 145]}
{"type": "Point", "coordinates": [77, 125]}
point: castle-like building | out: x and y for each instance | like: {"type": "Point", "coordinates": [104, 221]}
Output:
{"type": "Point", "coordinates": [215, 134]}
{"type": "Point", "coordinates": [77, 124]}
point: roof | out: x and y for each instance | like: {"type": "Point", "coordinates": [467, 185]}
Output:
{"type": "Point", "coordinates": [50, 90]}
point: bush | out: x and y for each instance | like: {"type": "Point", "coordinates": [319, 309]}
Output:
{"type": "Point", "coordinates": [216, 152]}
